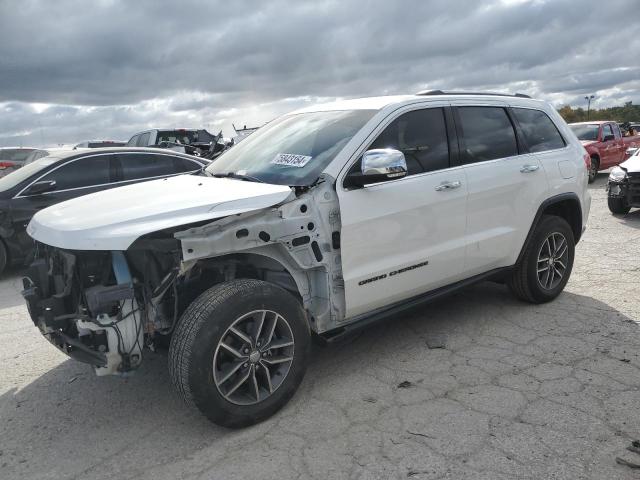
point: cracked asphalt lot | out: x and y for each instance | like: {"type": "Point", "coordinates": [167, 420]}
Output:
{"type": "Point", "coordinates": [518, 391]}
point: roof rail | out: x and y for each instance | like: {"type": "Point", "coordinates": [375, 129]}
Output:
{"type": "Point", "coordinates": [440, 92]}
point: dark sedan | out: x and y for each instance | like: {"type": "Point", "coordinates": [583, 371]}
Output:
{"type": "Point", "coordinates": [62, 176]}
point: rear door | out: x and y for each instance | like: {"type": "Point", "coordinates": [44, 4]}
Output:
{"type": "Point", "coordinates": [403, 237]}
{"type": "Point", "coordinates": [504, 184]}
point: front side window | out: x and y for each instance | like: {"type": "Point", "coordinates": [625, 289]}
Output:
{"type": "Point", "coordinates": [422, 136]}
{"type": "Point", "coordinates": [292, 150]}
{"type": "Point", "coordinates": [539, 131]}
{"type": "Point", "coordinates": [84, 172]}
{"type": "Point", "coordinates": [487, 134]}
{"type": "Point", "coordinates": [136, 166]}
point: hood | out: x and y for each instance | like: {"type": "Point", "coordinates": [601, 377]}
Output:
{"type": "Point", "coordinates": [632, 164]}
{"type": "Point", "coordinates": [113, 219]}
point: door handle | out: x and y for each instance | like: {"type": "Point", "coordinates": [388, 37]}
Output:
{"type": "Point", "coordinates": [448, 186]}
{"type": "Point", "coordinates": [529, 168]}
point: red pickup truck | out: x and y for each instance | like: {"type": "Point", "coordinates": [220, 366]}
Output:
{"type": "Point", "coordinates": [604, 143]}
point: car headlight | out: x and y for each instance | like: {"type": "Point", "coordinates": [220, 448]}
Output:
{"type": "Point", "coordinates": [617, 174]}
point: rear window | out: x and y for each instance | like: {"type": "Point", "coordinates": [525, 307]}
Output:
{"type": "Point", "coordinates": [585, 132]}
{"type": "Point", "coordinates": [539, 131]}
{"type": "Point", "coordinates": [487, 133]}
{"type": "Point", "coordinates": [16, 155]}
{"type": "Point", "coordinates": [184, 137]}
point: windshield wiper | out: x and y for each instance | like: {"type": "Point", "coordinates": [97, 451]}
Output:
{"type": "Point", "coordinates": [239, 176]}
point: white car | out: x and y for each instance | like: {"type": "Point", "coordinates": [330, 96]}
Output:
{"type": "Point", "coordinates": [623, 187]}
{"type": "Point", "coordinates": [320, 222]}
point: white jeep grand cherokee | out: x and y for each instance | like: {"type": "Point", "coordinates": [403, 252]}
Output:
{"type": "Point", "coordinates": [321, 221]}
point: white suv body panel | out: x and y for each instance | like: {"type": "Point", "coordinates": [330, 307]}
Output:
{"type": "Point", "coordinates": [434, 237]}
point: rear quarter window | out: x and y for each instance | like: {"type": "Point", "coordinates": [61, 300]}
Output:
{"type": "Point", "coordinates": [539, 131]}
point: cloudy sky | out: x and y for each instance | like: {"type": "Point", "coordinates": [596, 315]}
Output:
{"type": "Point", "coordinates": [72, 70]}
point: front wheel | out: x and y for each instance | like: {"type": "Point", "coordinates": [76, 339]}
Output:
{"type": "Point", "coordinates": [546, 264]}
{"type": "Point", "coordinates": [240, 351]}
{"type": "Point", "coordinates": [618, 205]}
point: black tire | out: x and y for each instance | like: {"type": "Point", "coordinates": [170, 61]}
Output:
{"type": "Point", "coordinates": [618, 205]}
{"type": "Point", "coordinates": [3, 257]}
{"type": "Point", "coordinates": [524, 282]}
{"type": "Point", "coordinates": [198, 336]}
{"type": "Point", "coordinates": [593, 170]}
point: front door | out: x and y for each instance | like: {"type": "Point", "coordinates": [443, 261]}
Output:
{"type": "Point", "coordinates": [403, 237]}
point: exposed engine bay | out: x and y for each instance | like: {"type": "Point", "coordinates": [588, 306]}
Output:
{"type": "Point", "coordinates": [105, 307]}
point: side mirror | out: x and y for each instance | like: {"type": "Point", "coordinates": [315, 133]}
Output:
{"type": "Point", "coordinates": [41, 187]}
{"type": "Point", "coordinates": [379, 165]}
{"type": "Point", "coordinates": [608, 138]}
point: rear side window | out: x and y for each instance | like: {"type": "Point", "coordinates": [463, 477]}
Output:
{"type": "Point", "coordinates": [84, 172]}
{"type": "Point", "coordinates": [136, 166]}
{"type": "Point", "coordinates": [422, 136]}
{"type": "Point", "coordinates": [487, 134]}
{"type": "Point", "coordinates": [606, 131]}
{"type": "Point", "coordinates": [539, 131]}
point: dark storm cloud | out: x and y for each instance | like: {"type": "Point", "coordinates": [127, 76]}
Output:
{"type": "Point", "coordinates": [201, 59]}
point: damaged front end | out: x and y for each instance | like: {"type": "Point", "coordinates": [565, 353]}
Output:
{"type": "Point", "coordinates": [94, 306]}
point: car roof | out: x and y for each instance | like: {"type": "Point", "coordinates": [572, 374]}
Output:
{"type": "Point", "coordinates": [18, 148]}
{"type": "Point", "coordinates": [381, 102]}
{"type": "Point", "coordinates": [94, 151]}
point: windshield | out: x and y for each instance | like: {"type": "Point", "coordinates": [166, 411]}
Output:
{"type": "Point", "coordinates": [585, 132]}
{"type": "Point", "coordinates": [294, 149]}
{"type": "Point", "coordinates": [20, 175]}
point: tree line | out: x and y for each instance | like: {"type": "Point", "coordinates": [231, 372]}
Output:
{"type": "Point", "coordinates": [626, 113]}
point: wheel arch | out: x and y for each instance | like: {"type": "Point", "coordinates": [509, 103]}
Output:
{"type": "Point", "coordinates": [566, 206]}
{"type": "Point", "coordinates": [257, 265]}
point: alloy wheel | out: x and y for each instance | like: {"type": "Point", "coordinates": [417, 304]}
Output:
{"type": "Point", "coordinates": [553, 258]}
{"type": "Point", "coordinates": [253, 357]}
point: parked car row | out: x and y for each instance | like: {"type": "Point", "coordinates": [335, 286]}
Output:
{"type": "Point", "coordinates": [623, 185]}
{"type": "Point", "coordinates": [605, 144]}
{"type": "Point", "coordinates": [63, 175]}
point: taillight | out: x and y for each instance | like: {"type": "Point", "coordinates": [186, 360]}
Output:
{"type": "Point", "coordinates": [587, 161]}
{"type": "Point", "coordinates": [4, 165]}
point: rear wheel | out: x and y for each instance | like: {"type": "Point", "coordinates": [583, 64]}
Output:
{"type": "Point", "coordinates": [546, 264]}
{"type": "Point", "coordinates": [618, 205]}
{"type": "Point", "coordinates": [240, 351]}
{"type": "Point", "coordinates": [3, 257]}
{"type": "Point", "coordinates": [593, 169]}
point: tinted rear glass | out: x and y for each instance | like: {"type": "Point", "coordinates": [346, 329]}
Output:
{"type": "Point", "coordinates": [539, 131]}
{"type": "Point", "coordinates": [184, 137]}
{"type": "Point", "coordinates": [487, 133]}
{"type": "Point", "coordinates": [137, 166]}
